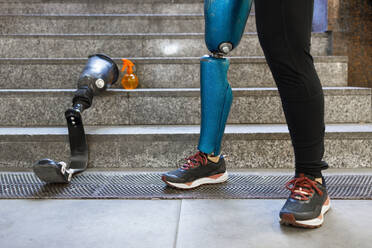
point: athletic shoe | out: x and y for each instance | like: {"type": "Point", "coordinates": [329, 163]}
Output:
{"type": "Point", "coordinates": [307, 203]}
{"type": "Point", "coordinates": [197, 170]}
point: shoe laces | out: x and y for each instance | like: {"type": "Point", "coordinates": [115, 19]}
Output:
{"type": "Point", "coordinates": [195, 160]}
{"type": "Point", "coordinates": [302, 188]}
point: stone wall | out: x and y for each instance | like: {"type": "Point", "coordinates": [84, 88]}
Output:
{"type": "Point", "coordinates": [351, 23]}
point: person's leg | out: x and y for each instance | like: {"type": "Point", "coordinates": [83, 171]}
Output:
{"type": "Point", "coordinates": [225, 21]}
{"type": "Point", "coordinates": [284, 30]}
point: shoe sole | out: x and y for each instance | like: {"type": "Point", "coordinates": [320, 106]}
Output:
{"type": "Point", "coordinates": [290, 220]}
{"type": "Point", "coordinates": [218, 178]}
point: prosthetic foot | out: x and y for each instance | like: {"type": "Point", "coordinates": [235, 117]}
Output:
{"type": "Point", "coordinates": [49, 171]}
{"type": "Point", "coordinates": [99, 74]}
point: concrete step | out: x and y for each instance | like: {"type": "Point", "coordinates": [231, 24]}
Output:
{"type": "Point", "coordinates": [130, 45]}
{"type": "Point", "coordinates": [247, 146]}
{"type": "Point", "coordinates": [106, 23]}
{"type": "Point", "coordinates": [157, 72]}
{"type": "Point", "coordinates": [100, 7]}
{"type": "Point", "coordinates": [171, 106]}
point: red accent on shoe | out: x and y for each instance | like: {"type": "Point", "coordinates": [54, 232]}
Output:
{"type": "Point", "coordinates": [197, 159]}
{"type": "Point", "coordinates": [302, 188]}
{"type": "Point", "coordinates": [216, 176]}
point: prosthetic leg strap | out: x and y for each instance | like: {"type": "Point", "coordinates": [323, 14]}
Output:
{"type": "Point", "coordinates": [78, 142]}
{"type": "Point", "coordinates": [216, 99]}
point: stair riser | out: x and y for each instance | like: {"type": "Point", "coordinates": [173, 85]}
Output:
{"type": "Point", "coordinates": [167, 108]}
{"type": "Point", "coordinates": [129, 46]}
{"type": "Point", "coordinates": [106, 25]}
{"type": "Point", "coordinates": [64, 75]}
{"type": "Point", "coordinates": [161, 151]}
{"type": "Point", "coordinates": [100, 7]}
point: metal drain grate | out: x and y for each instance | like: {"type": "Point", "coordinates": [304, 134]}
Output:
{"type": "Point", "coordinates": [124, 185]}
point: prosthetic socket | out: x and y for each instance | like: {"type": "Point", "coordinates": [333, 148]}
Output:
{"type": "Point", "coordinates": [225, 22]}
{"type": "Point", "coordinates": [99, 74]}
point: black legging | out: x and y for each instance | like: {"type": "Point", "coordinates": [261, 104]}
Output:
{"type": "Point", "coordinates": [284, 31]}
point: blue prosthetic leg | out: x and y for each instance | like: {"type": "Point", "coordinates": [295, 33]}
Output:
{"type": "Point", "coordinates": [216, 99]}
{"type": "Point", "coordinates": [225, 21]}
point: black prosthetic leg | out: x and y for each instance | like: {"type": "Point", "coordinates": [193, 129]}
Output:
{"type": "Point", "coordinates": [99, 73]}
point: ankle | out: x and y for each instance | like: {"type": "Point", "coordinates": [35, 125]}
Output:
{"type": "Point", "coordinates": [316, 176]}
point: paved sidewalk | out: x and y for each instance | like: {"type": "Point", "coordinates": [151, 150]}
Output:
{"type": "Point", "coordinates": [177, 223]}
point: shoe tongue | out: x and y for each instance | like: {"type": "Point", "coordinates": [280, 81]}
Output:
{"type": "Point", "coordinates": [305, 175]}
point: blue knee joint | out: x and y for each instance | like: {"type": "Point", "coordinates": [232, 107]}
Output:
{"type": "Point", "coordinates": [216, 99]}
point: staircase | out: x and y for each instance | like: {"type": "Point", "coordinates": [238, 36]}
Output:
{"type": "Point", "coordinates": [44, 46]}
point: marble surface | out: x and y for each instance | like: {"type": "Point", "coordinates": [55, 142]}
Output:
{"type": "Point", "coordinates": [99, 7]}
{"type": "Point", "coordinates": [111, 23]}
{"type": "Point", "coordinates": [249, 147]}
{"type": "Point", "coordinates": [140, 45]}
{"type": "Point", "coordinates": [42, 109]}
{"type": "Point", "coordinates": [156, 72]}
{"type": "Point", "coordinates": [170, 106]}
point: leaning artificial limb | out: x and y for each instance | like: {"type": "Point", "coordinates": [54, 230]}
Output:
{"type": "Point", "coordinates": [99, 73]}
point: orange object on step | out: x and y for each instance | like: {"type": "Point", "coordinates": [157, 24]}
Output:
{"type": "Point", "coordinates": [129, 80]}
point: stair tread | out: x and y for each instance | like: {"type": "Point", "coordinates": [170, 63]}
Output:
{"type": "Point", "coordinates": [199, 15]}
{"type": "Point", "coordinates": [132, 35]}
{"type": "Point", "coordinates": [235, 59]}
{"type": "Point", "coordinates": [252, 90]}
{"type": "Point", "coordinates": [181, 129]}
